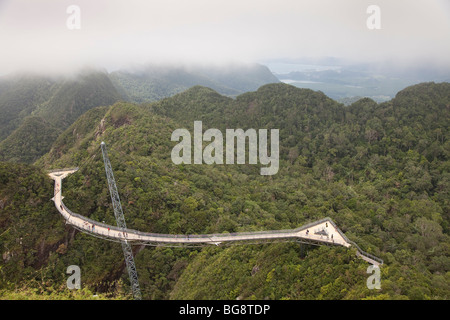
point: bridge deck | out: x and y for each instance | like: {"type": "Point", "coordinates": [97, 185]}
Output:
{"type": "Point", "coordinates": [323, 231]}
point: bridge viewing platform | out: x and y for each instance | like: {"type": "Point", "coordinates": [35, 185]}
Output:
{"type": "Point", "coordinates": [321, 232]}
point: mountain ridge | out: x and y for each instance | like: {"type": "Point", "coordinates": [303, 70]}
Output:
{"type": "Point", "coordinates": [153, 82]}
{"type": "Point", "coordinates": [377, 171]}
{"type": "Point", "coordinates": [60, 99]}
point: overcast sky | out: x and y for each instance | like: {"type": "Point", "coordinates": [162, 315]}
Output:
{"type": "Point", "coordinates": [113, 33]}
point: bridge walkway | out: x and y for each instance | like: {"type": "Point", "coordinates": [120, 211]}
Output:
{"type": "Point", "coordinates": [321, 232]}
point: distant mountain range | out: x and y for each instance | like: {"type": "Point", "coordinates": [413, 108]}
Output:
{"type": "Point", "coordinates": [36, 108]}
{"type": "Point", "coordinates": [154, 82]}
{"type": "Point", "coordinates": [380, 170]}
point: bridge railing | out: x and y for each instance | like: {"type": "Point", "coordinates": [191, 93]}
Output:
{"type": "Point", "coordinates": [366, 254]}
{"type": "Point", "coordinates": [288, 232]}
{"type": "Point", "coordinates": [193, 236]}
{"type": "Point", "coordinates": [88, 220]}
{"type": "Point", "coordinates": [64, 169]}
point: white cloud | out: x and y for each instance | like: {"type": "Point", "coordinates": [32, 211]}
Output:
{"type": "Point", "coordinates": [33, 34]}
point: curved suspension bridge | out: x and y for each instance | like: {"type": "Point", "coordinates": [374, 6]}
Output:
{"type": "Point", "coordinates": [321, 232]}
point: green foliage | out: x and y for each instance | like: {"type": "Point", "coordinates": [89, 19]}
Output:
{"type": "Point", "coordinates": [19, 95]}
{"type": "Point", "coordinates": [36, 109]}
{"type": "Point", "coordinates": [74, 96]}
{"type": "Point", "coordinates": [380, 171]}
{"type": "Point", "coordinates": [275, 271]}
{"type": "Point", "coordinates": [29, 142]}
{"type": "Point", "coordinates": [39, 291]}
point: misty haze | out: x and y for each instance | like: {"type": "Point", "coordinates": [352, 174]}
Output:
{"type": "Point", "coordinates": [98, 201]}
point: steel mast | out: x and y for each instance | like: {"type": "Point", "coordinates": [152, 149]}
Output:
{"type": "Point", "coordinates": [120, 219]}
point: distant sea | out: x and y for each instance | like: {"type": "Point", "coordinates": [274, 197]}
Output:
{"type": "Point", "coordinates": [283, 68]}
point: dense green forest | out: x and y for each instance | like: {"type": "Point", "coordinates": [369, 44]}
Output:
{"type": "Point", "coordinates": [380, 171]}
{"type": "Point", "coordinates": [30, 141]}
{"type": "Point", "coordinates": [36, 108]}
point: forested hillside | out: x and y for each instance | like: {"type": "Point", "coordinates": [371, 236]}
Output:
{"type": "Point", "coordinates": [380, 171]}
{"type": "Point", "coordinates": [19, 96]}
{"type": "Point", "coordinates": [154, 82]}
{"type": "Point", "coordinates": [55, 102]}
{"type": "Point", "coordinates": [36, 109]}
{"type": "Point", "coordinates": [29, 141]}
